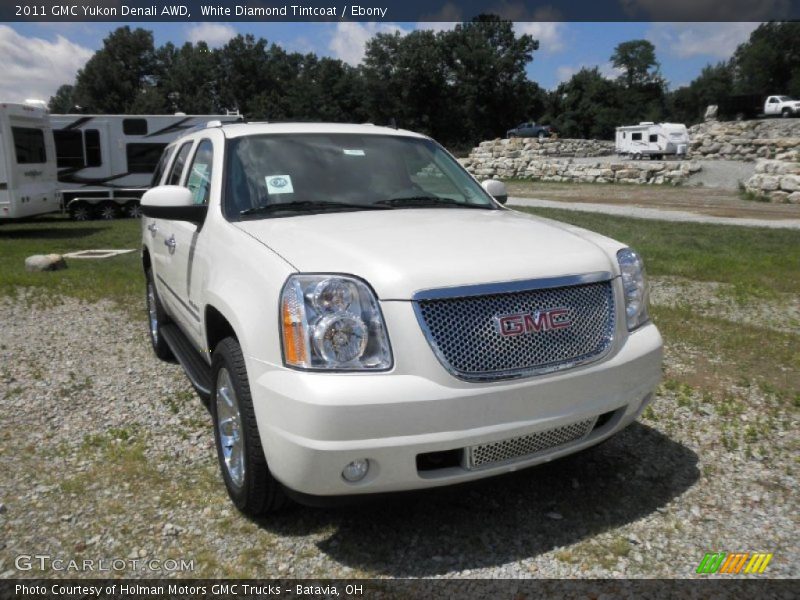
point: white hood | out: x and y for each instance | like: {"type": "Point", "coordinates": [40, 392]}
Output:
{"type": "Point", "coordinates": [404, 251]}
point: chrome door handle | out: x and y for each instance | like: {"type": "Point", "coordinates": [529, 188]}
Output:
{"type": "Point", "coordinates": [170, 243]}
{"type": "Point", "coordinates": [152, 228]}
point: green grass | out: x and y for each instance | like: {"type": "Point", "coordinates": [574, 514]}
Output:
{"type": "Point", "coordinates": [759, 262]}
{"type": "Point", "coordinates": [118, 278]}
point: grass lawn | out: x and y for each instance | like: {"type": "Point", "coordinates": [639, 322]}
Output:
{"type": "Point", "coordinates": [118, 278]}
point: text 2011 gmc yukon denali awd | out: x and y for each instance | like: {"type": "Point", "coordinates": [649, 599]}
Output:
{"type": "Point", "coordinates": [365, 317]}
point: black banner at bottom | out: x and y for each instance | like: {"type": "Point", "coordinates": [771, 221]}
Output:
{"type": "Point", "coordinates": [350, 589]}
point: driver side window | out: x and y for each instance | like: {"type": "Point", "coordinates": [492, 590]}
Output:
{"type": "Point", "coordinates": [199, 180]}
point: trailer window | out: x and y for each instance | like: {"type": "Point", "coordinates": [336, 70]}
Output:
{"type": "Point", "coordinates": [134, 126]}
{"type": "Point", "coordinates": [29, 145]}
{"type": "Point", "coordinates": [94, 157]}
{"type": "Point", "coordinates": [177, 166]}
{"type": "Point", "coordinates": [143, 158]}
{"type": "Point", "coordinates": [653, 138]}
{"type": "Point", "coordinates": [636, 137]}
{"type": "Point", "coordinates": [69, 148]}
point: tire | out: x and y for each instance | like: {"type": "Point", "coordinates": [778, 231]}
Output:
{"type": "Point", "coordinates": [156, 319]}
{"type": "Point", "coordinates": [541, 136]}
{"type": "Point", "coordinates": [133, 210]}
{"type": "Point", "coordinates": [108, 211]}
{"type": "Point", "coordinates": [80, 211]}
{"type": "Point", "coordinates": [786, 113]}
{"type": "Point", "coordinates": [244, 468]}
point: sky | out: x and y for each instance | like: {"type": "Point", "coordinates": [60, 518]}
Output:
{"type": "Point", "coordinates": [38, 57]}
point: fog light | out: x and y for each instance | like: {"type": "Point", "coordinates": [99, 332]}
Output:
{"type": "Point", "coordinates": [356, 470]}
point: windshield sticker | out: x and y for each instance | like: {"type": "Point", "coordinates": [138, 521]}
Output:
{"type": "Point", "coordinates": [353, 152]}
{"type": "Point", "coordinates": [279, 184]}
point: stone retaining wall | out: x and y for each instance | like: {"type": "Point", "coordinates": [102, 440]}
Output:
{"type": "Point", "coordinates": [530, 148]}
{"type": "Point", "coordinates": [778, 180]}
{"type": "Point", "coordinates": [642, 172]}
{"type": "Point", "coordinates": [745, 140]}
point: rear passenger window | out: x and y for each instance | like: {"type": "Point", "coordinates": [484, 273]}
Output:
{"type": "Point", "coordinates": [134, 126]}
{"type": "Point", "coordinates": [177, 166]}
{"type": "Point", "coordinates": [161, 166]}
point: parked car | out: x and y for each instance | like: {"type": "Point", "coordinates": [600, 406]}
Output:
{"type": "Point", "coordinates": [531, 130]}
{"type": "Point", "coordinates": [752, 106]}
{"type": "Point", "coordinates": [363, 316]}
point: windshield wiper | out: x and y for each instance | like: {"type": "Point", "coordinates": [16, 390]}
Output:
{"type": "Point", "coordinates": [430, 201]}
{"type": "Point", "coordinates": [308, 206]}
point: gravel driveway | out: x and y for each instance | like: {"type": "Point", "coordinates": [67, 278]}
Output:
{"type": "Point", "coordinates": [106, 453]}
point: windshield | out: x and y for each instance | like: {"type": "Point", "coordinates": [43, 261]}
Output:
{"type": "Point", "coordinates": [280, 174]}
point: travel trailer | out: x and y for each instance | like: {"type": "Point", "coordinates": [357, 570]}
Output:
{"type": "Point", "coordinates": [106, 162]}
{"type": "Point", "coordinates": [27, 162]}
{"type": "Point", "coordinates": [652, 140]}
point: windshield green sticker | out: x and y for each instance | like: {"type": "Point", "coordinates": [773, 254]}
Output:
{"type": "Point", "coordinates": [279, 184]}
{"type": "Point", "coordinates": [353, 151]}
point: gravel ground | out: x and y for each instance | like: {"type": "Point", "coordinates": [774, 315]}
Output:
{"type": "Point", "coordinates": [105, 453]}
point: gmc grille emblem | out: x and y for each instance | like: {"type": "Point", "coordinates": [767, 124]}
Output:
{"type": "Point", "coordinates": [536, 322]}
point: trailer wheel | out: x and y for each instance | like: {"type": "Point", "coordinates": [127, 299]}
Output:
{"type": "Point", "coordinates": [80, 211]}
{"type": "Point", "coordinates": [108, 211]}
{"type": "Point", "coordinates": [133, 210]}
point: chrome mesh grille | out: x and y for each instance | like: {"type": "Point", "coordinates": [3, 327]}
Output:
{"type": "Point", "coordinates": [464, 334]}
{"type": "Point", "coordinates": [487, 454]}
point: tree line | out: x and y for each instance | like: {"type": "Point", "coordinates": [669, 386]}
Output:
{"type": "Point", "coordinates": [459, 86]}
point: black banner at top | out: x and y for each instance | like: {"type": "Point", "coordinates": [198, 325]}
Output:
{"type": "Point", "coordinates": [398, 10]}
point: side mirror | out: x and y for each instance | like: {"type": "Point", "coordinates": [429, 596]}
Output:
{"type": "Point", "coordinates": [496, 189]}
{"type": "Point", "coordinates": [173, 202]}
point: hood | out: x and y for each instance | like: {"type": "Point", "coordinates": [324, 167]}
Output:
{"type": "Point", "coordinates": [403, 251]}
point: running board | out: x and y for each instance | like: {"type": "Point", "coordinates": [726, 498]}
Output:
{"type": "Point", "coordinates": [197, 370]}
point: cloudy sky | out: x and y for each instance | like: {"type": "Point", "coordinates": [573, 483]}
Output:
{"type": "Point", "coordinates": [38, 57]}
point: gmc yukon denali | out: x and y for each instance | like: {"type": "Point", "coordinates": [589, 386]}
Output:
{"type": "Point", "coordinates": [362, 316]}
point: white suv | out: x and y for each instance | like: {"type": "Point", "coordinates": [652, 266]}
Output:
{"type": "Point", "coordinates": [365, 317]}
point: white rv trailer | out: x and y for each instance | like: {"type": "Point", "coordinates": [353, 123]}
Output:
{"type": "Point", "coordinates": [106, 162]}
{"type": "Point", "coordinates": [652, 140]}
{"type": "Point", "coordinates": [27, 162]}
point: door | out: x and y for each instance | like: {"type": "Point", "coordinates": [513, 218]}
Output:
{"type": "Point", "coordinates": [186, 261]}
{"type": "Point", "coordinates": [772, 106]}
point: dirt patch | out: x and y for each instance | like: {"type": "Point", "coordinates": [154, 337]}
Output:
{"type": "Point", "coordinates": [702, 200]}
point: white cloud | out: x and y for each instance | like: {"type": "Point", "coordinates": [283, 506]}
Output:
{"type": "Point", "coordinates": [350, 38]}
{"type": "Point", "coordinates": [684, 40]}
{"type": "Point", "coordinates": [705, 10]}
{"type": "Point", "coordinates": [213, 34]}
{"type": "Point", "coordinates": [35, 67]}
{"type": "Point", "coordinates": [549, 33]}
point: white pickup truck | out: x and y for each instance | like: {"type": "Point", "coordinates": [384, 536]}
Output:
{"type": "Point", "coordinates": [363, 316]}
{"type": "Point", "coordinates": [781, 106]}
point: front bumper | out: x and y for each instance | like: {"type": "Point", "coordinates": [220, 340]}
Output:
{"type": "Point", "coordinates": [313, 424]}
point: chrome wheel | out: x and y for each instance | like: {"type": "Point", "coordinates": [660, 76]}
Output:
{"type": "Point", "coordinates": [108, 212]}
{"type": "Point", "coordinates": [80, 213]}
{"type": "Point", "coordinates": [229, 426]}
{"type": "Point", "coordinates": [135, 211]}
{"type": "Point", "coordinates": [152, 312]}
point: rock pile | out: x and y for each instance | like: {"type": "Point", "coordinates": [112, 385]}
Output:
{"type": "Point", "coordinates": [777, 180]}
{"type": "Point", "coordinates": [773, 139]}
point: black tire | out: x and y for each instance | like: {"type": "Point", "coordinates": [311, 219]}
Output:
{"type": "Point", "coordinates": [156, 318]}
{"type": "Point", "coordinates": [786, 113]}
{"type": "Point", "coordinates": [542, 135]}
{"type": "Point", "coordinates": [108, 211]}
{"type": "Point", "coordinates": [257, 492]}
{"type": "Point", "coordinates": [80, 211]}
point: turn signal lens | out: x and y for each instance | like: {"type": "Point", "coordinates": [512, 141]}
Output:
{"type": "Point", "coordinates": [295, 346]}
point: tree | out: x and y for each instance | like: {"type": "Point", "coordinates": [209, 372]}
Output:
{"type": "Point", "coordinates": [637, 59]}
{"type": "Point", "coordinates": [688, 103]}
{"type": "Point", "coordinates": [63, 101]}
{"type": "Point", "coordinates": [190, 81]}
{"type": "Point", "coordinates": [120, 75]}
{"type": "Point", "coordinates": [769, 62]}
{"type": "Point", "coordinates": [587, 106]}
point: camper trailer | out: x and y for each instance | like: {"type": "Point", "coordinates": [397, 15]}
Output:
{"type": "Point", "coordinates": [652, 140]}
{"type": "Point", "coordinates": [106, 162]}
{"type": "Point", "coordinates": [27, 162]}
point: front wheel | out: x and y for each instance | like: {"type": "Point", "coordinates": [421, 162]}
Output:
{"type": "Point", "coordinates": [156, 319]}
{"type": "Point", "coordinates": [244, 468]}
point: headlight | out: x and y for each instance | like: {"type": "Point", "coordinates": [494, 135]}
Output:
{"type": "Point", "coordinates": [332, 322]}
{"type": "Point", "coordinates": [634, 287]}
